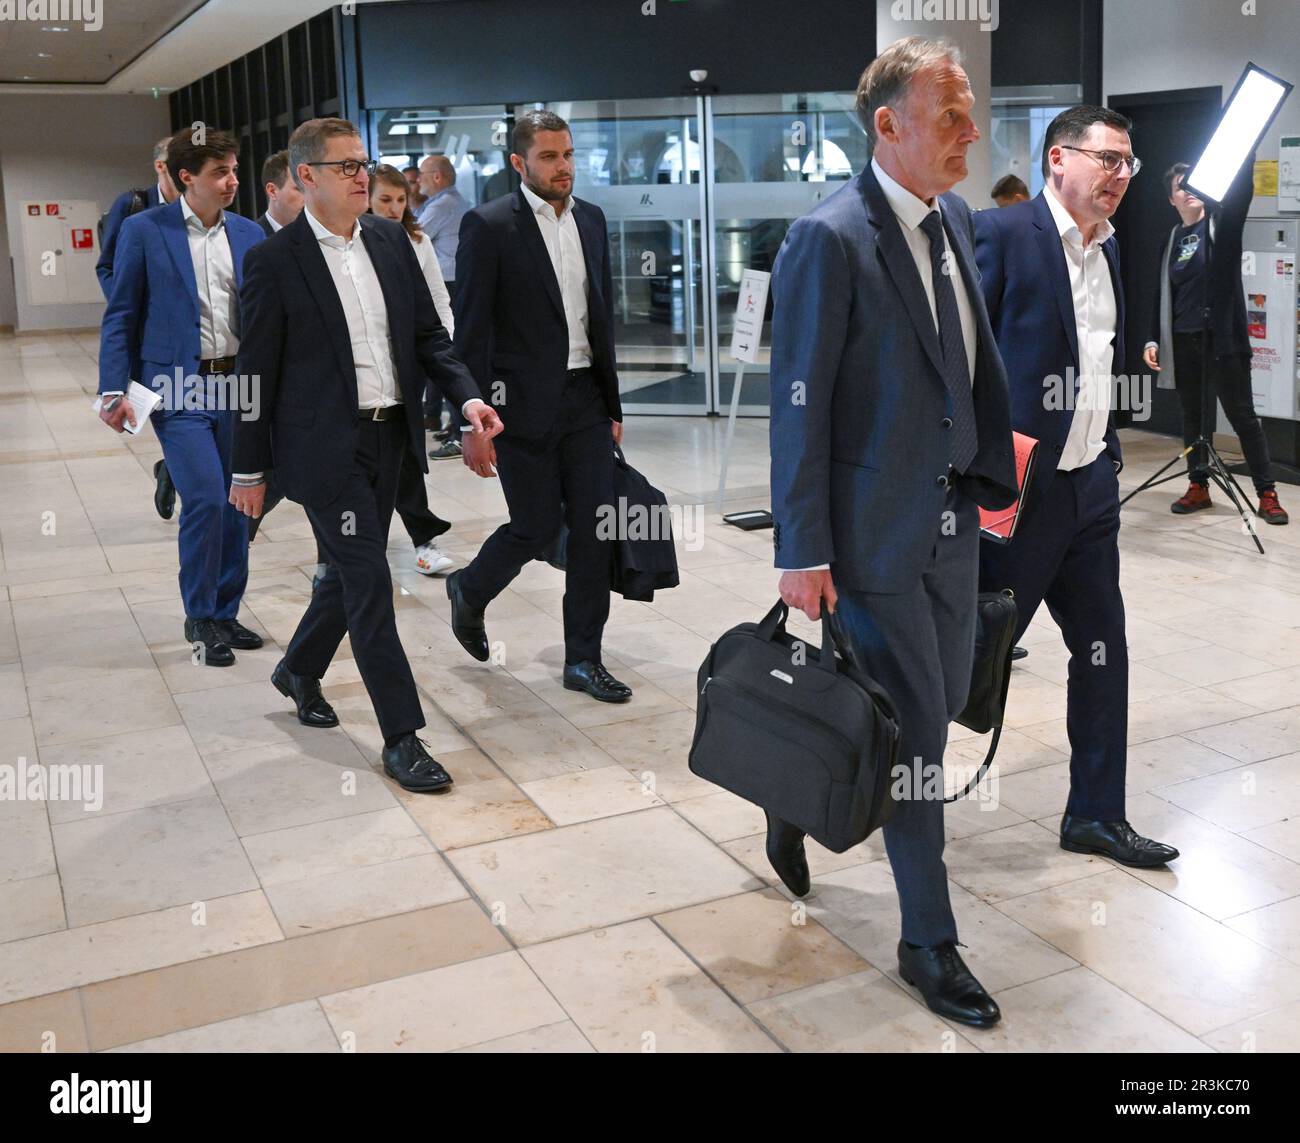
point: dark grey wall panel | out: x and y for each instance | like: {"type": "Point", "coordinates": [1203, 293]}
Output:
{"type": "Point", "coordinates": [507, 51]}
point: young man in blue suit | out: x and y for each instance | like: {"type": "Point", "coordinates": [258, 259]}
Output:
{"type": "Point", "coordinates": [174, 309]}
{"type": "Point", "coordinates": [1050, 277]}
{"type": "Point", "coordinates": [889, 430]}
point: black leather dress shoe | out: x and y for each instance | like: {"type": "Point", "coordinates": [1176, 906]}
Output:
{"type": "Point", "coordinates": [786, 854]}
{"type": "Point", "coordinates": [466, 623]}
{"type": "Point", "coordinates": [164, 495]}
{"type": "Point", "coordinates": [413, 768]}
{"type": "Point", "coordinates": [216, 651]}
{"type": "Point", "coordinates": [313, 710]}
{"type": "Point", "coordinates": [946, 984]}
{"type": "Point", "coordinates": [1116, 840]}
{"type": "Point", "coordinates": [592, 677]}
{"type": "Point", "coordinates": [1018, 653]}
{"type": "Point", "coordinates": [238, 636]}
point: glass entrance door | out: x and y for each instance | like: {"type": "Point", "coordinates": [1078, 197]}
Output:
{"type": "Point", "coordinates": [772, 159]}
{"type": "Point", "coordinates": [640, 161]}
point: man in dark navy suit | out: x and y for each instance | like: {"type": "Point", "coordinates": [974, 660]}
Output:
{"type": "Point", "coordinates": [1050, 276]}
{"type": "Point", "coordinates": [889, 430]}
{"type": "Point", "coordinates": [535, 324]}
{"type": "Point", "coordinates": [124, 206]}
{"type": "Point", "coordinates": [340, 334]}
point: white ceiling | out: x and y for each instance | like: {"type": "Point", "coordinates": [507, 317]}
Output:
{"type": "Point", "coordinates": [141, 44]}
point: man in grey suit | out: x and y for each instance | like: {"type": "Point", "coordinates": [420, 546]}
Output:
{"type": "Point", "coordinates": [889, 427]}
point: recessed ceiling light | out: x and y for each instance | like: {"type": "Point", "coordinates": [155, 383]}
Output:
{"type": "Point", "coordinates": [55, 29]}
{"type": "Point", "coordinates": [42, 55]}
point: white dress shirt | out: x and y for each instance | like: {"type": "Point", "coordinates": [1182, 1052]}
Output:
{"type": "Point", "coordinates": [910, 212]}
{"type": "Point", "coordinates": [424, 254]}
{"type": "Point", "coordinates": [564, 245]}
{"type": "Point", "coordinates": [1095, 317]}
{"type": "Point", "coordinates": [214, 276]}
{"type": "Point", "coordinates": [362, 297]}
{"type": "Point", "coordinates": [274, 225]}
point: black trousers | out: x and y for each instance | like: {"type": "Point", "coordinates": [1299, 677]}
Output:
{"type": "Point", "coordinates": [355, 595]}
{"type": "Point", "coordinates": [1066, 554]}
{"type": "Point", "coordinates": [421, 524]}
{"type": "Point", "coordinates": [570, 469]}
{"type": "Point", "coordinates": [1230, 379]}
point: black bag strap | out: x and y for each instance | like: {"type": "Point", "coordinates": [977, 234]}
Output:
{"type": "Point", "coordinates": [773, 624]}
{"type": "Point", "coordinates": [993, 743]}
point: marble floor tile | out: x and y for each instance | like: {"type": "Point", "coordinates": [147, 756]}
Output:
{"type": "Point", "coordinates": [293, 1028]}
{"type": "Point", "coordinates": [629, 988]}
{"type": "Point", "coordinates": [586, 794]}
{"type": "Point", "coordinates": [548, 884]}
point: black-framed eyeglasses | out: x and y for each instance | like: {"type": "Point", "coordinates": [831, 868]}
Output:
{"type": "Point", "coordinates": [348, 168]}
{"type": "Point", "coordinates": [1109, 160]}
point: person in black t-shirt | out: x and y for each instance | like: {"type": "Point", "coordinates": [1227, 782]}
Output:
{"type": "Point", "coordinates": [1178, 329]}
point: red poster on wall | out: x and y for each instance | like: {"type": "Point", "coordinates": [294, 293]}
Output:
{"type": "Point", "coordinates": [82, 240]}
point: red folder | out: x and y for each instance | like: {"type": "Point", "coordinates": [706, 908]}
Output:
{"type": "Point", "coordinates": [1000, 526]}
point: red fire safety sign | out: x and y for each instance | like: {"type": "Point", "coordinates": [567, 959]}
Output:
{"type": "Point", "coordinates": [82, 240]}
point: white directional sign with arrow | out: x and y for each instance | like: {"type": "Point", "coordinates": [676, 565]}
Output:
{"type": "Point", "coordinates": [750, 307]}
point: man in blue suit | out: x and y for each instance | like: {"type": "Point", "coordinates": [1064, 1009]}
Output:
{"type": "Point", "coordinates": [889, 429]}
{"type": "Point", "coordinates": [174, 309]}
{"type": "Point", "coordinates": [1051, 282]}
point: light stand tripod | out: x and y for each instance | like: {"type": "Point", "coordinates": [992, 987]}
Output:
{"type": "Point", "coordinates": [1203, 446]}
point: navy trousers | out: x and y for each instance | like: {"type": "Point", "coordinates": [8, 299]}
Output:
{"type": "Point", "coordinates": [919, 645]}
{"type": "Point", "coordinates": [213, 533]}
{"type": "Point", "coordinates": [1066, 554]}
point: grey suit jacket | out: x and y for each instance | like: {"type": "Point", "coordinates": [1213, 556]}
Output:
{"type": "Point", "coordinates": [858, 437]}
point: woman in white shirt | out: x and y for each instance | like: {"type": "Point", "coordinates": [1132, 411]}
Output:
{"type": "Point", "coordinates": [388, 199]}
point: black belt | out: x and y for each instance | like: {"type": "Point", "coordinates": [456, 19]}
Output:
{"type": "Point", "coordinates": [215, 365]}
{"type": "Point", "coordinates": [383, 413]}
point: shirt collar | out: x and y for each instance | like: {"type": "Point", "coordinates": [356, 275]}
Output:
{"type": "Point", "coordinates": [272, 223]}
{"type": "Point", "coordinates": [539, 204]}
{"type": "Point", "coordinates": [1067, 228]}
{"type": "Point", "coordinates": [193, 220]}
{"type": "Point", "coordinates": [324, 234]}
{"type": "Point", "coordinates": [911, 211]}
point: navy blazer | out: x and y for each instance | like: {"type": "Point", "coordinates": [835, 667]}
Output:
{"type": "Point", "coordinates": [117, 214]}
{"type": "Point", "coordinates": [510, 324]}
{"type": "Point", "coordinates": [152, 315]}
{"type": "Point", "coordinates": [859, 431]}
{"type": "Point", "coordinates": [1030, 305]}
{"type": "Point", "coordinates": [295, 346]}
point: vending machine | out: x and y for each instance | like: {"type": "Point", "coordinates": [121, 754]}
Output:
{"type": "Point", "coordinates": [1268, 272]}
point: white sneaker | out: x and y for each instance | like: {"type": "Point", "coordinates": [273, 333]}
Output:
{"type": "Point", "coordinates": [430, 559]}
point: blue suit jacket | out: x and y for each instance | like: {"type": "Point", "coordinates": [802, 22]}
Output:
{"type": "Point", "coordinates": [858, 439]}
{"type": "Point", "coordinates": [1027, 291]}
{"type": "Point", "coordinates": [117, 214]}
{"type": "Point", "coordinates": [152, 315]}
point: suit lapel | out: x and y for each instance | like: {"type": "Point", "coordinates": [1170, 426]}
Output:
{"type": "Point", "coordinates": [531, 233]}
{"type": "Point", "coordinates": [1053, 253]}
{"type": "Point", "coordinates": [591, 238]}
{"type": "Point", "coordinates": [964, 257]}
{"type": "Point", "coordinates": [1110, 248]}
{"type": "Point", "coordinates": [239, 246]}
{"type": "Point", "coordinates": [898, 260]}
{"type": "Point", "coordinates": [321, 284]}
{"type": "Point", "coordinates": [172, 224]}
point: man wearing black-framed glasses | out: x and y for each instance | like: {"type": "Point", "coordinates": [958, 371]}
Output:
{"type": "Point", "coordinates": [1050, 277]}
{"type": "Point", "coordinates": [340, 333]}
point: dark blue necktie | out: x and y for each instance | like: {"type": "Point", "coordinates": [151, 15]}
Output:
{"type": "Point", "coordinates": [956, 370]}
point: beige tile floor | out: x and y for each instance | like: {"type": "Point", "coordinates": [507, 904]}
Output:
{"type": "Point", "coordinates": [248, 884]}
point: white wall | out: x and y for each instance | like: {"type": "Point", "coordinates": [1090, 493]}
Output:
{"type": "Point", "coordinates": [1165, 45]}
{"type": "Point", "coordinates": [977, 50]}
{"type": "Point", "coordinates": [68, 146]}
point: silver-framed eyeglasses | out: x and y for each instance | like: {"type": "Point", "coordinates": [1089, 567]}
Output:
{"type": "Point", "coordinates": [1109, 160]}
{"type": "Point", "coordinates": [348, 168]}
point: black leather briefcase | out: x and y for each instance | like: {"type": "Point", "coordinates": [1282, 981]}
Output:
{"type": "Point", "coordinates": [798, 730]}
